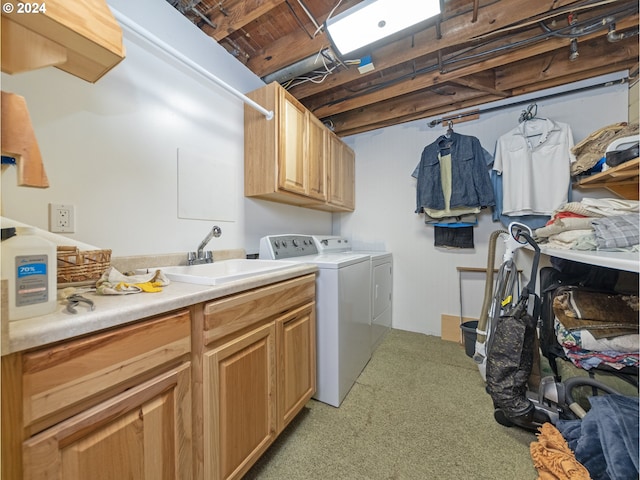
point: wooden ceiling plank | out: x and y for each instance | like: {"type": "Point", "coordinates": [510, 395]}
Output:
{"type": "Point", "coordinates": [370, 116]}
{"type": "Point", "coordinates": [238, 16]}
{"type": "Point", "coordinates": [413, 104]}
{"type": "Point", "coordinates": [434, 78]}
{"type": "Point", "coordinates": [484, 82]}
{"type": "Point", "coordinates": [542, 69]}
{"type": "Point", "coordinates": [292, 48]}
{"type": "Point", "coordinates": [575, 77]}
{"type": "Point", "coordinates": [455, 31]}
{"type": "Point", "coordinates": [346, 127]}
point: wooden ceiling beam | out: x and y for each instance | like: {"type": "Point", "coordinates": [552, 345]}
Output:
{"type": "Point", "coordinates": [455, 31]}
{"type": "Point", "coordinates": [484, 82]}
{"type": "Point", "coordinates": [557, 64]}
{"type": "Point", "coordinates": [574, 77]}
{"type": "Point", "coordinates": [528, 75]}
{"type": "Point", "coordinates": [292, 48]}
{"type": "Point", "coordinates": [239, 15]}
{"type": "Point", "coordinates": [416, 103]}
{"type": "Point", "coordinates": [323, 106]}
{"type": "Point", "coordinates": [345, 126]}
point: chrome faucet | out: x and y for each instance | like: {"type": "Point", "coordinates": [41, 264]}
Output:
{"type": "Point", "coordinates": [202, 256]}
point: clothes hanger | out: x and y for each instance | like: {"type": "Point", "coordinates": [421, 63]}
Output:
{"type": "Point", "coordinates": [529, 114]}
{"type": "Point", "coordinates": [449, 129]}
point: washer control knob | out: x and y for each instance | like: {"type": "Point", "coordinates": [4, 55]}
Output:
{"type": "Point", "coordinates": [276, 243]}
{"type": "Point", "coordinates": [295, 242]}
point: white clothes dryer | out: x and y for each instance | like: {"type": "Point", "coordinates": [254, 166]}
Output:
{"type": "Point", "coordinates": [343, 310]}
{"type": "Point", "coordinates": [381, 293]}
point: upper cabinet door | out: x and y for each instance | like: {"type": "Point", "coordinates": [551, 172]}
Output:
{"type": "Point", "coordinates": [290, 158]}
{"type": "Point", "coordinates": [341, 174]}
{"type": "Point", "coordinates": [317, 157]}
{"type": "Point", "coordinates": [292, 167]}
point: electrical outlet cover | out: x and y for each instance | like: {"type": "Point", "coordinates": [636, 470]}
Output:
{"type": "Point", "coordinates": [61, 218]}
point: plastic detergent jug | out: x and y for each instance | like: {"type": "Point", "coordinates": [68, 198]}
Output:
{"type": "Point", "coordinates": [29, 263]}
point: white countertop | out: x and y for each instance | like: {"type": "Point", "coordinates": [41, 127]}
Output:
{"type": "Point", "coordinates": [114, 310]}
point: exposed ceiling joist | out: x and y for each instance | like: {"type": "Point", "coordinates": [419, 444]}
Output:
{"type": "Point", "coordinates": [478, 51]}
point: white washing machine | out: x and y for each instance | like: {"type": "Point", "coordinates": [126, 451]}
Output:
{"type": "Point", "coordinates": [343, 310]}
{"type": "Point", "coordinates": [381, 284]}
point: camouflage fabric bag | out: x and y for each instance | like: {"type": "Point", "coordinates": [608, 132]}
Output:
{"type": "Point", "coordinates": [510, 358]}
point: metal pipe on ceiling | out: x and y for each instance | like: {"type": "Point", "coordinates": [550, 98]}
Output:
{"type": "Point", "coordinates": [301, 67]}
{"type": "Point", "coordinates": [151, 38]}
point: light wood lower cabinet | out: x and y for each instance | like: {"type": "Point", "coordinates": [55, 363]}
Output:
{"type": "Point", "coordinates": [112, 405]}
{"type": "Point", "coordinates": [240, 386]}
{"type": "Point", "coordinates": [140, 434]}
{"type": "Point", "coordinates": [199, 393]}
{"type": "Point", "coordinates": [296, 347]}
{"type": "Point", "coordinates": [259, 371]}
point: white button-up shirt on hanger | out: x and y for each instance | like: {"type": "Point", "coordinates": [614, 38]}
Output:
{"type": "Point", "coordinates": [534, 160]}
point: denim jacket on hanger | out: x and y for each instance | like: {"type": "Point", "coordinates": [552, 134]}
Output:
{"type": "Point", "coordinates": [470, 180]}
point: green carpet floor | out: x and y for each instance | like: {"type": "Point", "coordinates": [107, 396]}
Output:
{"type": "Point", "coordinates": [417, 411]}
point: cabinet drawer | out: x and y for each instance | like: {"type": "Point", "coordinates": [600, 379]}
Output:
{"type": "Point", "coordinates": [60, 381]}
{"type": "Point", "coordinates": [232, 314]}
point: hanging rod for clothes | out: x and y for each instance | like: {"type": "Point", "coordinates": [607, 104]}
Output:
{"type": "Point", "coordinates": [610, 83]}
{"type": "Point", "coordinates": [151, 38]}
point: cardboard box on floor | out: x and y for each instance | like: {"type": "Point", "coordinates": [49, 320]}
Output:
{"type": "Point", "coordinates": [450, 327]}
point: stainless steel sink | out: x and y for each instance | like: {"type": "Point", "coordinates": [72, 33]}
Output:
{"type": "Point", "coordinates": [222, 271]}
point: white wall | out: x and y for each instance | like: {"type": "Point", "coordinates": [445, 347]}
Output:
{"type": "Point", "coordinates": [110, 148]}
{"type": "Point", "coordinates": [425, 277]}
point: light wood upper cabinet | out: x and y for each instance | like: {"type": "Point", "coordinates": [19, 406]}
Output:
{"type": "Point", "coordinates": [80, 37]}
{"type": "Point", "coordinates": [286, 158]}
{"type": "Point", "coordinates": [293, 167]}
{"type": "Point", "coordinates": [341, 174]}
{"type": "Point", "coordinates": [318, 152]}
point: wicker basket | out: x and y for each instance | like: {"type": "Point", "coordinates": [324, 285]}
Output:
{"type": "Point", "coordinates": [86, 267]}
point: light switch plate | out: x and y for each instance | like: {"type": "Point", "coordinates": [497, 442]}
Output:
{"type": "Point", "coordinates": [62, 218]}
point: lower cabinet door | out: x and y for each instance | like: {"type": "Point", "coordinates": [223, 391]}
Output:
{"type": "Point", "coordinates": [296, 345]}
{"type": "Point", "coordinates": [142, 433]}
{"type": "Point", "coordinates": [239, 403]}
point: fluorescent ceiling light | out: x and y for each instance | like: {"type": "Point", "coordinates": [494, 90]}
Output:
{"type": "Point", "coordinates": [372, 20]}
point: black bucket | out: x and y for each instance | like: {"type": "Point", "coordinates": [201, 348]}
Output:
{"type": "Point", "coordinates": [469, 336]}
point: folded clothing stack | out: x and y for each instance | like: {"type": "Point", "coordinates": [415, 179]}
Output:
{"type": "Point", "coordinates": [594, 224]}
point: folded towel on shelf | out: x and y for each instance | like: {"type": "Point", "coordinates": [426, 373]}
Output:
{"type": "Point", "coordinates": [113, 282]}
{"type": "Point", "coordinates": [564, 224]}
{"type": "Point", "coordinates": [553, 458]}
{"type": "Point", "coordinates": [617, 232]}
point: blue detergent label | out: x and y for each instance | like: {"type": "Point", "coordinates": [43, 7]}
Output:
{"type": "Point", "coordinates": [32, 283]}
{"type": "Point", "coordinates": [32, 269]}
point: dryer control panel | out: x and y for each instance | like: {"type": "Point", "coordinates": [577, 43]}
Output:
{"type": "Point", "coordinates": [279, 247]}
